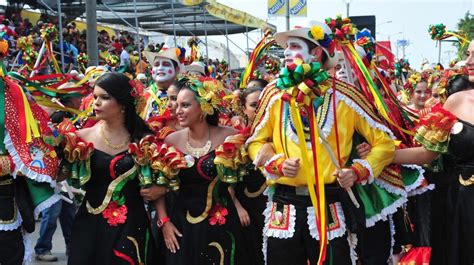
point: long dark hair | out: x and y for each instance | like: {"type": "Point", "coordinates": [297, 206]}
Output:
{"type": "Point", "coordinates": [459, 83]}
{"type": "Point", "coordinates": [183, 84]}
{"type": "Point", "coordinates": [117, 86]}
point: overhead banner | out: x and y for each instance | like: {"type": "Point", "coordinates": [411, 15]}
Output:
{"type": "Point", "coordinates": [298, 8]}
{"type": "Point", "coordinates": [277, 8]}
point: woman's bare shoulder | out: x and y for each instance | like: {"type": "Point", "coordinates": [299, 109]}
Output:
{"type": "Point", "coordinates": [459, 100]}
{"type": "Point", "coordinates": [175, 137]}
{"type": "Point", "coordinates": [224, 131]}
{"type": "Point", "coordinates": [87, 134]}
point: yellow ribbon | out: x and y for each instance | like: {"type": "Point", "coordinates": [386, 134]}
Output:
{"type": "Point", "coordinates": [194, 220]}
{"type": "Point", "coordinates": [31, 125]}
{"type": "Point", "coordinates": [309, 179]}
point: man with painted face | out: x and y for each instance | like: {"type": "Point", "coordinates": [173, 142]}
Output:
{"type": "Point", "coordinates": [165, 67]}
{"type": "Point", "coordinates": [288, 117]}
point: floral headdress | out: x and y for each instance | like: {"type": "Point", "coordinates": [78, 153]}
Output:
{"type": "Point", "coordinates": [446, 77]}
{"type": "Point", "coordinates": [414, 79]}
{"type": "Point", "coordinates": [210, 93]}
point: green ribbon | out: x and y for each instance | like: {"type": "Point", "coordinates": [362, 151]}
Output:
{"type": "Point", "coordinates": [232, 250]}
{"type": "Point", "coordinates": [116, 196]}
{"type": "Point", "coordinates": [145, 175]}
{"type": "Point", "coordinates": [32, 84]}
{"type": "Point", "coordinates": [288, 78]}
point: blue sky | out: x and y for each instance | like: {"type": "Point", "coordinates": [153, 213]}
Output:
{"type": "Point", "coordinates": [412, 18]}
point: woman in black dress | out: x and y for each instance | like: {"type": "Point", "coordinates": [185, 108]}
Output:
{"type": "Point", "coordinates": [250, 191]}
{"type": "Point", "coordinates": [111, 226]}
{"type": "Point", "coordinates": [451, 130]}
{"type": "Point", "coordinates": [205, 226]}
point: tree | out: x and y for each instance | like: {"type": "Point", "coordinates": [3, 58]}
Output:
{"type": "Point", "coordinates": [466, 26]}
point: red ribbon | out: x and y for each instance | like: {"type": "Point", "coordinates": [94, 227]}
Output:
{"type": "Point", "coordinates": [124, 257]}
{"type": "Point", "coordinates": [17, 99]}
{"type": "Point", "coordinates": [112, 165]}
{"type": "Point", "coordinates": [322, 245]}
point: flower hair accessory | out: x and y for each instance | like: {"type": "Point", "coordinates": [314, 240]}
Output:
{"type": "Point", "coordinates": [415, 79]}
{"type": "Point", "coordinates": [210, 93]}
{"type": "Point", "coordinates": [137, 88]}
{"type": "Point", "coordinates": [446, 77]}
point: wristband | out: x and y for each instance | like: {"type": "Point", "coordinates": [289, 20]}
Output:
{"type": "Point", "coordinates": [274, 165]}
{"type": "Point", "coordinates": [361, 172]}
{"type": "Point", "coordinates": [163, 221]}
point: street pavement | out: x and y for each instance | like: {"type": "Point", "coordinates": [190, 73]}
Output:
{"type": "Point", "coordinates": [59, 248]}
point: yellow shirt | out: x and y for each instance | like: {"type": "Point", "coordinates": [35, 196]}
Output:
{"type": "Point", "coordinates": [353, 115]}
{"type": "Point", "coordinates": [152, 103]}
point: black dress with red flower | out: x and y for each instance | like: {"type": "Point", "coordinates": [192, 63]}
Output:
{"type": "Point", "coordinates": [118, 233]}
{"type": "Point", "coordinates": [207, 218]}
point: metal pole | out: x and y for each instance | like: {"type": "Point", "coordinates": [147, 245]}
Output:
{"type": "Point", "coordinates": [397, 51]}
{"type": "Point", "coordinates": [138, 36]}
{"type": "Point", "coordinates": [205, 34]}
{"type": "Point", "coordinates": [247, 34]}
{"type": "Point", "coordinates": [347, 8]}
{"type": "Point", "coordinates": [91, 22]}
{"type": "Point", "coordinates": [174, 23]}
{"type": "Point", "coordinates": [227, 37]}
{"type": "Point", "coordinates": [439, 52]}
{"type": "Point", "coordinates": [61, 38]}
{"type": "Point", "coordinates": [287, 15]}
{"type": "Point", "coordinates": [118, 16]}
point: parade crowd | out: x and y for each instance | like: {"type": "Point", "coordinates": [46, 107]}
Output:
{"type": "Point", "coordinates": [334, 154]}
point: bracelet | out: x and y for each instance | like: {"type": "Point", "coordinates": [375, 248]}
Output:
{"type": "Point", "coordinates": [275, 167]}
{"type": "Point", "coordinates": [361, 172]}
{"type": "Point", "coordinates": [162, 221]}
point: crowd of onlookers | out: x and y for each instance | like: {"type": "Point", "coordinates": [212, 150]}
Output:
{"type": "Point", "coordinates": [123, 45]}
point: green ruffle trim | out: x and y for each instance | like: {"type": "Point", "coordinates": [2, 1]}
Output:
{"type": "Point", "coordinates": [439, 147]}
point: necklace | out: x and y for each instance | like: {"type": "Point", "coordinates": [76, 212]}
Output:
{"type": "Point", "coordinates": [107, 142]}
{"type": "Point", "coordinates": [198, 152]}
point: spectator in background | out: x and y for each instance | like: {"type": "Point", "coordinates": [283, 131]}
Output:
{"type": "Point", "coordinates": [61, 210]}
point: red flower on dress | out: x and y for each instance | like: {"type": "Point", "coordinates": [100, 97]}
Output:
{"type": "Point", "coordinates": [115, 214]}
{"type": "Point", "coordinates": [218, 214]}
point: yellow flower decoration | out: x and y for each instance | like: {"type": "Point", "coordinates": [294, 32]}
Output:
{"type": "Point", "coordinates": [317, 32]}
{"type": "Point", "coordinates": [210, 93]}
{"type": "Point", "coordinates": [207, 108]}
{"type": "Point", "coordinates": [415, 78]}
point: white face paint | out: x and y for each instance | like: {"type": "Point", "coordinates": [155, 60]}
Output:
{"type": "Point", "coordinates": [341, 71]}
{"type": "Point", "coordinates": [163, 70]}
{"type": "Point", "coordinates": [296, 48]}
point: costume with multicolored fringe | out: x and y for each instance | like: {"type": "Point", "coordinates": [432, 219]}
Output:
{"type": "Point", "coordinates": [112, 204]}
{"type": "Point", "coordinates": [28, 164]}
{"type": "Point", "coordinates": [290, 111]}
